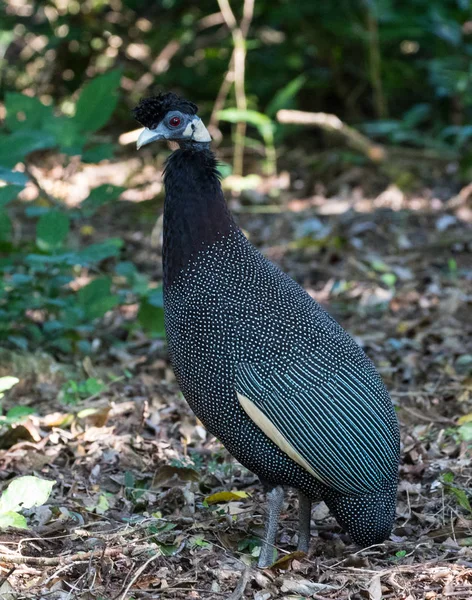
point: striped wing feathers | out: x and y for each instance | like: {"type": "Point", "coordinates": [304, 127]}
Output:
{"type": "Point", "coordinates": [334, 418]}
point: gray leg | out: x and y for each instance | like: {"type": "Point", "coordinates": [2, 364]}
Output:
{"type": "Point", "coordinates": [275, 499]}
{"type": "Point", "coordinates": [304, 509]}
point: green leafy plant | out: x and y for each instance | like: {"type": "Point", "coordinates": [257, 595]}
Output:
{"type": "Point", "coordinates": [264, 126]}
{"type": "Point", "coordinates": [73, 391]}
{"type": "Point", "coordinates": [23, 492]}
{"type": "Point", "coordinates": [39, 306]}
{"type": "Point", "coordinates": [459, 494]}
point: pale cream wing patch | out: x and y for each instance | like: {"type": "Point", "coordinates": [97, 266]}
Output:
{"type": "Point", "coordinates": [271, 431]}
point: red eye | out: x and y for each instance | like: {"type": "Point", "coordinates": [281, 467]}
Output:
{"type": "Point", "coordinates": [174, 122]}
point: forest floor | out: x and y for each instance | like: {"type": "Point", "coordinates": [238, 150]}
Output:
{"type": "Point", "coordinates": [134, 511]}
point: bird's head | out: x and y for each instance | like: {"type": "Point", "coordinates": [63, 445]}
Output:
{"type": "Point", "coordinates": [169, 117]}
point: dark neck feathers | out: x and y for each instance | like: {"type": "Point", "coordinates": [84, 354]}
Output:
{"type": "Point", "coordinates": [195, 210]}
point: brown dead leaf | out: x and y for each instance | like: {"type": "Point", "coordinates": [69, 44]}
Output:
{"type": "Point", "coordinates": [95, 417]}
{"type": "Point", "coordinates": [304, 587]}
{"type": "Point", "coordinates": [57, 419]}
{"type": "Point", "coordinates": [12, 435]}
{"type": "Point", "coordinates": [375, 588]}
{"type": "Point", "coordinates": [168, 471]}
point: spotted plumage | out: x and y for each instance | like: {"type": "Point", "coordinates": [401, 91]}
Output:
{"type": "Point", "coordinates": [266, 369]}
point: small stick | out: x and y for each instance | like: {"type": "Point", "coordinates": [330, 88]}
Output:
{"type": "Point", "coordinates": [53, 561]}
{"type": "Point", "coordinates": [238, 592]}
{"type": "Point", "coordinates": [138, 573]}
{"type": "Point", "coordinates": [332, 123]}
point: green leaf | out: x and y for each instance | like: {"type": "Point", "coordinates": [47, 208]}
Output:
{"type": "Point", "coordinates": [99, 152]}
{"type": "Point", "coordinates": [151, 318]}
{"type": "Point", "coordinates": [9, 193]}
{"type": "Point", "coordinates": [12, 519]}
{"type": "Point", "coordinates": [5, 227]}
{"type": "Point", "coordinates": [389, 279]}
{"type": "Point", "coordinates": [235, 115]}
{"type": "Point", "coordinates": [25, 492]}
{"type": "Point", "coordinates": [262, 122]}
{"type": "Point", "coordinates": [18, 414]}
{"type": "Point", "coordinates": [102, 505]}
{"type": "Point", "coordinates": [97, 101]}
{"type": "Point", "coordinates": [461, 498]}
{"type": "Point", "coordinates": [15, 148]}
{"type": "Point", "coordinates": [15, 177]}
{"type": "Point", "coordinates": [448, 477]}
{"type": "Point", "coordinates": [67, 134]}
{"type": "Point", "coordinates": [126, 269]}
{"type": "Point", "coordinates": [93, 386]}
{"type": "Point", "coordinates": [7, 382]}
{"type": "Point", "coordinates": [51, 230]}
{"type": "Point", "coordinates": [25, 112]}
{"type": "Point", "coordinates": [95, 253]}
{"type": "Point", "coordinates": [156, 297]}
{"type": "Point", "coordinates": [101, 195]}
{"type": "Point", "coordinates": [465, 431]}
{"type": "Point", "coordinates": [96, 298]}
{"type": "Point", "coordinates": [284, 97]}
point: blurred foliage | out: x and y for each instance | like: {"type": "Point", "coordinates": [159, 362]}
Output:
{"type": "Point", "coordinates": [38, 306]}
{"type": "Point", "coordinates": [70, 71]}
{"type": "Point", "coordinates": [364, 59]}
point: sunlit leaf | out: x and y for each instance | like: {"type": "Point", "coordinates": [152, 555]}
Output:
{"type": "Point", "coordinates": [465, 431]}
{"type": "Point", "coordinates": [259, 120]}
{"type": "Point", "coordinates": [226, 497]}
{"type": "Point", "coordinates": [11, 518]}
{"type": "Point", "coordinates": [25, 492]}
{"type": "Point", "coordinates": [97, 101]}
{"type": "Point", "coordinates": [7, 382]}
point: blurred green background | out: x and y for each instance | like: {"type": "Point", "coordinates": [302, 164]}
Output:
{"type": "Point", "coordinates": [399, 73]}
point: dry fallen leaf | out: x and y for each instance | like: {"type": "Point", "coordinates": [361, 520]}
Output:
{"type": "Point", "coordinates": [166, 472]}
{"type": "Point", "coordinates": [375, 588]}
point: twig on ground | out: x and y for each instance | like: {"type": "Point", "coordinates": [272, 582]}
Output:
{"type": "Point", "coordinates": [7, 575]}
{"type": "Point", "coordinates": [138, 573]}
{"type": "Point", "coordinates": [241, 586]}
{"type": "Point", "coordinates": [53, 561]}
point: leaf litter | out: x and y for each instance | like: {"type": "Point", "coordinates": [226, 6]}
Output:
{"type": "Point", "coordinates": [146, 504]}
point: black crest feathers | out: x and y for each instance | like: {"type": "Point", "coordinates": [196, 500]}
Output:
{"type": "Point", "coordinates": [151, 111]}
